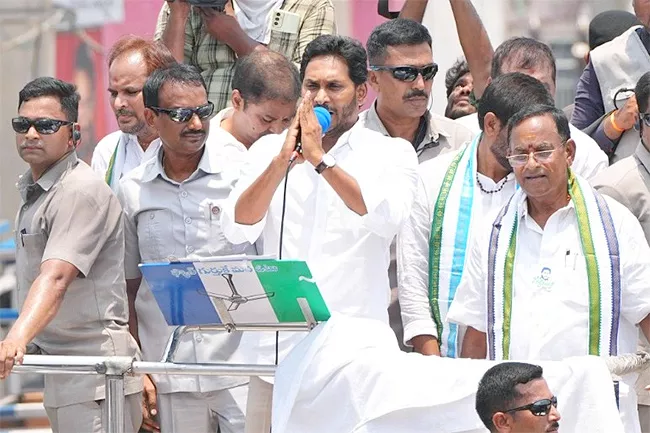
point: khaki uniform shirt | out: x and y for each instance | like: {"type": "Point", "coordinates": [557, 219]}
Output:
{"type": "Point", "coordinates": [628, 182]}
{"type": "Point", "coordinates": [165, 219]}
{"type": "Point", "coordinates": [70, 214]}
{"type": "Point", "coordinates": [216, 60]}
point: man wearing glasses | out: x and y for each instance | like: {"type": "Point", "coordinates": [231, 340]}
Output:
{"type": "Point", "coordinates": [628, 181]}
{"type": "Point", "coordinates": [172, 206]}
{"type": "Point", "coordinates": [513, 397]}
{"type": "Point", "coordinates": [402, 72]}
{"type": "Point", "coordinates": [559, 258]}
{"type": "Point", "coordinates": [457, 192]}
{"type": "Point", "coordinates": [69, 261]}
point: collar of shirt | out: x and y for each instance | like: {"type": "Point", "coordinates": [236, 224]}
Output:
{"type": "Point", "coordinates": [522, 210]}
{"type": "Point", "coordinates": [644, 36]}
{"type": "Point", "coordinates": [26, 184]}
{"type": "Point", "coordinates": [643, 155]}
{"type": "Point", "coordinates": [220, 135]}
{"type": "Point", "coordinates": [434, 131]}
{"type": "Point", "coordinates": [210, 163]}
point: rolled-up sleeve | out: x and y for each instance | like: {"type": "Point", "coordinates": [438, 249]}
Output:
{"type": "Point", "coordinates": [470, 303]}
{"type": "Point", "coordinates": [413, 269]}
{"type": "Point", "coordinates": [388, 191]}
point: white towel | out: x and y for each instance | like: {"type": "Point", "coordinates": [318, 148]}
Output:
{"type": "Point", "coordinates": [349, 375]}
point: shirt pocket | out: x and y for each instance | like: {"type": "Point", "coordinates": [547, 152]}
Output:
{"type": "Point", "coordinates": [155, 235]}
{"type": "Point", "coordinates": [34, 246]}
{"type": "Point", "coordinates": [217, 242]}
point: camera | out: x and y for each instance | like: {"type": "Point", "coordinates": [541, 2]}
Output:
{"type": "Point", "coordinates": [219, 5]}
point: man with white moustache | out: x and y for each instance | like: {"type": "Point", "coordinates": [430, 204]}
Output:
{"type": "Point", "coordinates": [131, 60]}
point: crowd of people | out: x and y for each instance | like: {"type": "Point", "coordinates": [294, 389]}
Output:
{"type": "Point", "coordinates": [510, 229]}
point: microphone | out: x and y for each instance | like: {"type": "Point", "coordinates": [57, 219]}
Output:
{"type": "Point", "coordinates": [324, 119]}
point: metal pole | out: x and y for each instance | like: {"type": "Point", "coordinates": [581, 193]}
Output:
{"type": "Point", "coordinates": [114, 404]}
{"type": "Point", "coordinates": [143, 367]}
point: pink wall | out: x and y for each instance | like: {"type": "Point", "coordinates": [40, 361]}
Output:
{"type": "Point", "coordinates": [140, 18]}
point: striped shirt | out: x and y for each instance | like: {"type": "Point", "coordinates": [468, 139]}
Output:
{"type": "Point", "coordinates": [216, 60]}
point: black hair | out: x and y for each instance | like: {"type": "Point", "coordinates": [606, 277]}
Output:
{"type": "Point", "coordinates": [66, 93]}
{"type": "Point", "coordinates": [392, 33]}
{"type": "Point", "coordinates": [177, 73]}
{"type": "Point", "coordinates": [560, 119]}
{"type": "Point", "coordinates": [350, 50]}
{"type": "Point", "coordinates": [523, 53]}
{"type": "Point", "coordinates": [497, 390]}
{"type": "Point", "coordinates": [510, 93]}
{"type": "Point", "coordinates": [265, 76]}
{"type": "Point", "coordinates": [642, 92]}
{"type": "Point", "coordinates": [457, 70]}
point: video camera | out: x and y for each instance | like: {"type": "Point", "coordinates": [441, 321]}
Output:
{"type": "Point", "coordinates": [219, 5]}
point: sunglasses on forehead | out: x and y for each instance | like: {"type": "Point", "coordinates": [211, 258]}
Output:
{"type": "Point", "coordinates": [539, 408]}
{"type": "Point", "coordinates": [409, 73]}
{"type": "Point", "coordinates": [42, 125]}
{"type": "Point", "coordinates": [183, 115]}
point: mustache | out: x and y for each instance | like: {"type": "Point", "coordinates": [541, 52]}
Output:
{"type": "Point", "coordinates": [124, 112]}
{"type": "Point", "coordinates": [26, 144]}
{"type": "Point", "coordinates": [191, 133]}
{"type": "Point", "coordinates": [417, 93]}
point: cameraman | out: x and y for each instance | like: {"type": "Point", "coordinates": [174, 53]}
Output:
{"type": "Point", "coordinates": [212, 34]}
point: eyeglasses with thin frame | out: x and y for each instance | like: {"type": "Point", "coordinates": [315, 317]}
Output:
{"type": "Point", "coordinates": [540, 156]}
{"type": "Point", "coordinates": [185, 114]}
{"type": "Point", "coordinates": [409, 73]}
{"type": "Point", "coordinates": [538, 408]}
{"type": "Point", "coordinates": [42, 125]}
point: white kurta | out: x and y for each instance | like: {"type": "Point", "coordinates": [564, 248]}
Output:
{"type": "Point", "coordinates": [348, 254]}
{"type": "Point", "coordinates": [550, 296]}
{"type": "Point", "coordinates": [128, 158]}
{"type": "Point", "coordinates": [589, 159]}
{"type": "Point", "coordinates": [413, 241]}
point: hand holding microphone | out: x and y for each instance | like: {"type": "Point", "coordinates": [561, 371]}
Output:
{"type": "Point", "coordinates": [309, 126]}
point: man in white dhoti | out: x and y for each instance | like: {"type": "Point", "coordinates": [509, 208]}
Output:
{"type": "Point", "coordinates": [562, 271]}
{"type": "Point", "coordinates": [513, 397]}
{"type": "Point", "coordinates": [457, 192]}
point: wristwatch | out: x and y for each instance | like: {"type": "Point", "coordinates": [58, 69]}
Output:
{"type": "Point", "coordinates": [328, 161]}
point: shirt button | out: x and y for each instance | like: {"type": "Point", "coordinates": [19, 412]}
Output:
{"type": "Point", "coordinates": [199, 339]}
{"type": "Point", "coordinates": [188, 220]}
{"type": "Point", "coordinates": [184, 194]}
{"type": "Point", "coordinates": [152, 216]}
{"type": "Point", "coordinates": [190, 249]}
{"type": "Point", "coordinates": [25, 207]}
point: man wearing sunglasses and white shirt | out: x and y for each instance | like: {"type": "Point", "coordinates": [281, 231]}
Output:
{"type": "Point", "coordinates": [562, 271]}
{"type": "Point", "coordinates": [131, 60]}
{"type": "Point", "coordinates": [172, 204]}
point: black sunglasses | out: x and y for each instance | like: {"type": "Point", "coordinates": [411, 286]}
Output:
{"type": "Point", "coordinates": [539, 408]}
{"type": "Point", "coordinates": [182, 115]}
{"type": "Point", "coordinates": [42, 125]}
{"type": "Point", "coordinates": [409, 73]}
{"type": "Point", "coordinates": [645, 117]}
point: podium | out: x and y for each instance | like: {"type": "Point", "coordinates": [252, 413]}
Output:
{"type": "Point", "coordinates": [234, 293]}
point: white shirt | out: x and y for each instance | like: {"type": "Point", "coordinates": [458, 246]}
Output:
{"type": "Point", "coordinates": [348, 254]}
{"type": "Point", "coordinates": [166, 219]}
{"type": "Point", "coordinates": [133, 157]}
{"type": "Point", "coordinates": [220, 135]}
{"type": "Point", "coordinates": [413, 266]}
{"type": "Point", "coordinates": [552, 324]}
{"type": "Point", "coordinates": [589, 159]}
